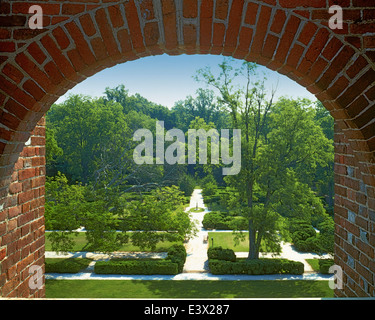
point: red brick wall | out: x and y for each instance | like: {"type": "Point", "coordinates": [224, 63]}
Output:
{"type": "Point", "coordinates": [80, 38]}
{"type": "Point", "coordinates": [22, 222]}
{"type": "Point", "coordinates": [354, 221]}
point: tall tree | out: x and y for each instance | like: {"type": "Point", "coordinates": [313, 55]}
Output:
{"type": "Point", "coordinates": [160, 216]}
{"type": "Point", "coordinates": [90, 132]}
{"type": "Point", "coordinates": [203, 105]}
{"type": "Point", "coordinates": [277, 140]}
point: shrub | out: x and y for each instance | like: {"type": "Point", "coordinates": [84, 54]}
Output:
{"type": "Point", "coordinates": [256, 267]}
{"type": "Point", "coordinates": [177, 254]}
{"type": "Point", "coordinates": [187, 185]}
{"type": "Point", "coordinates": [238, 223]}
{"type": "Point", "coordinates": [219, 253]}
{"type": "Point", "coordinates": [308, 245]}
{"type": "Point", "coordinates": [217, 220]}
{"type": "Point", "coordinates": [327, 226]}
{"type": "Point", "coordinates": [173, 264]}
{"type": "Point", "coordinates": [301, 230]}
{"type": "Point", "coordinates": [324, 265]}
{"type": "Point", "coordinates": [70, 265]}
{"type": "Point", "coordinates": [304, 236]}
{"type": "Point", "coordinates": [301, 236]}
{"type": "Point", "coordinates": [214, 220]}
{"type": "Point", "coordinates": [314, 244]}
{"type": "Point", "coordinates": [209, 189]}
{"type": "Point", "coordinates": [136, 267]}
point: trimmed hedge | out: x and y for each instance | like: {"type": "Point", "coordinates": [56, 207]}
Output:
{"type": "Point", "coordinates": [256, 267]}
{"type": "Point", "coordinates": [173, 264]}
{"type": "Point", "coordinates": [218, 220]}
{"type": "Point", "coordinates": [177, 254]}
{"type": "Point", "coordinates": [325, 264]}
{"type": "Point", "coordinates": [218, 253]}
{"type": "Point", "coordinates": [70, 265]}
{"type": "Point", "coordinates": [304, 236]}
{"type": "Point", "coordinates": [136, 267]}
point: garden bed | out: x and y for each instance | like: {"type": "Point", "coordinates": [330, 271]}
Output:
{"type": "Point", "coordinates": [256, 267]}
{"type": "Point", "coordinates": [136, 267]}
{"type": "Point", "coordinates": [224, 261]}
{"type": "Point", "coordinates": [172, 265]}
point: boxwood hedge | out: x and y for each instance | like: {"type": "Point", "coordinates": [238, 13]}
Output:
{"type": "Point", "coordinates": [256, 267]}
{"type": "Point", "coordinates": [221, 221]}
{"type": "Point", "coordinates": [173, 264]}
{"type": "Point", "coordinates": [177, 254]}
{"type": "Point", "coordinates": [324, 265]}
{"type": "Point", "coordinates": [136, 267]}
{"type": "Point", "coordinates": [70, 265]}
{"type": "Point", "coordinates": [219, 253]}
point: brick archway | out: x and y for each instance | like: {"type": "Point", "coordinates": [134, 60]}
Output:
{"type": "Point", "coordinates": [80, 38]}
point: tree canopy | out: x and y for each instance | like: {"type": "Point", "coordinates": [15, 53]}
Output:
{"type": "Point", "coordinates": [93, 181]}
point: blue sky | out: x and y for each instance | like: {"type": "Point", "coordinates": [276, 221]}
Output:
{"type": "Point", "coordinates": [166, 79]}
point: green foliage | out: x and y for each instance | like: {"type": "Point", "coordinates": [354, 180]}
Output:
{"type": "Point", "coordinates": [67, 208]}
{"type": "Point", "coordinates": [63, 209]}
{"type": "Point", "coordinates": [204, 106]}
{"type": "Point", "coordinates": [136, 267]}
{"type": "Point", "coordinates": [173, 264]}
{"type": "Point", "coordinates": [187, 184]}
{"type": "Point", "coordinates": [64, 203]}
{"type": "Point", "coordinates": [287, 161]}
{"type": "Point", "coordinates": [160, 215]}
{"type": "Point", "coordinates": [90, 132]}
{"type": "Point", "coordinates": [301, 230]}
{"type": "Point", "coordinates": [309, 245]}
{"type": "Point", "coordinates": [220, 221]}
{"type": "Point", "coordinates": [177, 254]}
{"type": "Point", "coordinates": [282, 145]}
{"type": "Point", "coordinates": [219, 253]}
{"type": "Point", "coordinates": [256, 267]}
{"type": "Point", "coordinates": [203, 170]}
{"type": "Point", "coordinates": [53, 151]}
{"type": "Point", "coordinates": [214, 220]}
{"type": "Point", "coordinates": [70, 265]}
{"type": "Point", "coordinates": [161, 210]}
{"type": "Point", "coordinates": [325, 264]}
{"type": "Point", "coordinates": [306, 239]}
{"type": "Point", "coordinates": [139, 104]}
{"type": "Point", "coordinates": [100, 235]}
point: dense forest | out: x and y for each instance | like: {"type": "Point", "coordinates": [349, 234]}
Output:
{"type": "Point", "coordinates": [286, 178]}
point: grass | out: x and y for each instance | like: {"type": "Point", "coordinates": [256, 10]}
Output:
{"type": "Point", "coordinates": [164, 289]}
{"type": "Point", "coordinates": [196, 210]}
{"type": "Point", "coordinates": [226, 240]}
{"type": "Point", "coordinates": [314, 263]}
{"type": "Point", "coordinates": [81, 245]}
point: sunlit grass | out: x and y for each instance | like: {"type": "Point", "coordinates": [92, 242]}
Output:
{"type": "Point", "coordinates": [80, 244]}
{"type": "Point", "coordinates": [168, 289]}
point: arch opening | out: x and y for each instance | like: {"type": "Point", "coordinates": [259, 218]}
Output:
{"type": "Point", "coordinates": [89, 38]}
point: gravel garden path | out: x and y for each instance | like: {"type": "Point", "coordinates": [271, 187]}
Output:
{"type": "Point", "coordinates": [196, 248]}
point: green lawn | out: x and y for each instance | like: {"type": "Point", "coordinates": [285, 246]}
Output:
{"type": "Point", "coordinates": [314, 263]}
{"type": "Point", "coordinates": [80, 245]}
{"type": "Point", "coordinates": [169, 289]}
{"type": "Point", "coordinates": [226, 240]}
{"type": "Point", "coordinates": [195, 210]}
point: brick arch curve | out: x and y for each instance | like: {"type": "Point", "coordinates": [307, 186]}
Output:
{"type": "Point", "coordinates": [79, 39]}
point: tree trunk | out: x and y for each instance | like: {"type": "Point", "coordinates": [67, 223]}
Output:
{"type": "Point", "coordinates": [253, 250]}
